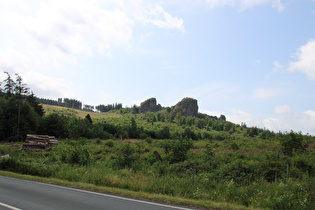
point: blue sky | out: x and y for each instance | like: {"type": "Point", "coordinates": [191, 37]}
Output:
{"type": "Point", "coordinates": [251, 60]}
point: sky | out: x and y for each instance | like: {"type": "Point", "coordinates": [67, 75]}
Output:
{"type": "Point", "coordinates": [250, 60]}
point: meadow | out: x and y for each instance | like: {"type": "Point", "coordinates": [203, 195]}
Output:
{"type": "Point", "coordinates": [254, 175]}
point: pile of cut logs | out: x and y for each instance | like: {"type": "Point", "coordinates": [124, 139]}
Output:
{"type": "Point", "coordinates": [39, 142]}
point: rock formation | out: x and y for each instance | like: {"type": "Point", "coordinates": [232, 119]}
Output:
{"type": "Point", "coordinates": [186, 107]}
{"type": "Point", "coordinates": [150, 106]}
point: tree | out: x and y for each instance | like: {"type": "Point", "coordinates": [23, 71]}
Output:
{"type": "Point", "coordinates": [200, 123]}
{"type": "Point", "coordinates": [291, 141]}
{"type": "Point", "coordinates": [164, 133]}
{"type": "Point", "coordinates": [177, 151]}
{"type": "Point", "coordinates": [38, 108]}
{"type": "Point", "coordinates": [135, 109]}
{"type": "Point", "coordinates": [133, 132]}
{"type": "Point", "coordinates": [9, 85]}
{"type": "Point", "coordinates": [1, 90]}
{"type": "Point", "coordinates": [29, 121]}
{"type": "Point", "coordinates": [20, 111]}
{"type": "Point", "coordinates": [20, 87]}
{"type": "Point", "coordinates": [253, 132]}
{"type": "Point", "coordinates": [189, 134]}
{"type": "Point", "coordinates": [53, 125]}
{"type": "Point", "coordinates": [87, 107]}
{"type": "Point", "coordinates": [89, 119]}
{"type": "Point", "coordinates": [222, 117]}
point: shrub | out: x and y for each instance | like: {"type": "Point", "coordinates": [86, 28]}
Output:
{"type": "Point", "coordinates": [176, 150]}
{"type": "Point", "coordinates": [17, 166]}
{"type": "Point", "coordinates": [290, 142]}
{"type": "Point", "coordinates": [109, 143]}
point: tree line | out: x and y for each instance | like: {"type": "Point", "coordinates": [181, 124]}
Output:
{"type": "Point", "coordinates": [66, 102]}
{"type": "Point", "coordinates": [76, 104]}
{"type": "Point", "coordinates": [20, 112]}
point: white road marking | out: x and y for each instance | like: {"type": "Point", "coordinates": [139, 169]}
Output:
{"type": "Point", "coordinates": [8, 206]}
{"type": "Point", "coordinates": [117, 197]}
{"type": "Point", "coordinates": [105, 195]}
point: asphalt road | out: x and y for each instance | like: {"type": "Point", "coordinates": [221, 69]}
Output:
{"type": "Point", "coordinates": [23, 194]}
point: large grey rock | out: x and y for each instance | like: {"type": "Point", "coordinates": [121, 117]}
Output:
{"type": "Point", "coordinates": [186, 107]}
{"type": "Point", "coordinates": [150, 105]}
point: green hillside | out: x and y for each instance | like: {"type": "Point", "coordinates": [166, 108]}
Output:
{"type": "Point", "coordinates": [169, 154]}
{"type": "Point", "coordinates": [204, 158]}
{"type": "Point", "coordinates": [50, 109]}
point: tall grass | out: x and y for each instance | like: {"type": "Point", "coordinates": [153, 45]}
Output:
{"type": "Point", "coordinates": [225, 176]}
{"type": "Point", "coordinates": [159, 181]}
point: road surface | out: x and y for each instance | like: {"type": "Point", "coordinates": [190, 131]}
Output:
{"type": "Point", "coordinates": [23, 194]}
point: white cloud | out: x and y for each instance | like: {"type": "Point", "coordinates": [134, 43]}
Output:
{"type": "Point", "coordinates": [67, 28]}
{"type": "Point", "coordinates": [277, 4]}
{"type": "Point", "coordinates": [48, 87]}
{"type": "Point", "coordinates": [265, 93]}
{"type": "Point", "coordinates": [145, 36]}
{"type": "Point", "coordinates": [239, 116]}
{"type": "Point", "coordinates": [163, 19]}
{"type": "Point", "coordinates": [11, 3]}
{"type": "Point", "coordinates": [51, 34]}
{"type": "Point", "coordinates": [213, 113]}
{"type": "Point", "coordinates": [305, 60]}
{"type": "Point", "coordinates": [13, 60]}
{"type": "Point", "coordinates": [58, 31]}
{"type": "Point", "coordinates": [107, 98]}
{"type": "Point", "coordinates": [145, 12]}
{"type": "Point", "coordinates": [286, 119]}
{"type": "Point", "coordinates": [281, 110]}
{"type": "Point", "coordinates": [277, 68]}
{"type": "Point", "coordinates": [245, 4]}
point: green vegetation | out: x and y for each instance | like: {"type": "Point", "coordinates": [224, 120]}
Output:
{"type": "Point", "coordinates": [254, 175]}
{"type": "Point", "coordinates": [205, 158]}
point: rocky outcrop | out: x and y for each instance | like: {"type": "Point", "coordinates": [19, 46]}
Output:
{"type": "Point", "coordinates": [186, 107]}
{"type": "Point", "coordinates": [150, 106]}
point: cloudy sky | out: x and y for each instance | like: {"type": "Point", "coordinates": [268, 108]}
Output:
{"type": "Point", "coordinates": [251, 60]}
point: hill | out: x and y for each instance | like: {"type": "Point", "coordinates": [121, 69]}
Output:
{"type": "Point", "coordinates": [205, 161]}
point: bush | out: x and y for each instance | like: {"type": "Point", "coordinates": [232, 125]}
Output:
{"type": "Point", "coordinates": [176, 151]}
{"type": "Point", "coordinates": [291, 141]}
{"type": "Point", "coordinates": [109, 143]}
{"type": "Point", "coordinates": [18, 166]}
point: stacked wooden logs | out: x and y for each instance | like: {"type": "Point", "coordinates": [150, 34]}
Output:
{"type": "Point", "coordinates": [39, 142]}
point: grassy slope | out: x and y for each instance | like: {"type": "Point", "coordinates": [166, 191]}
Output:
{"type": "Point", "coordinates": [49, 109]}
{"type": "Point", "coordinates": [257, 145]}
